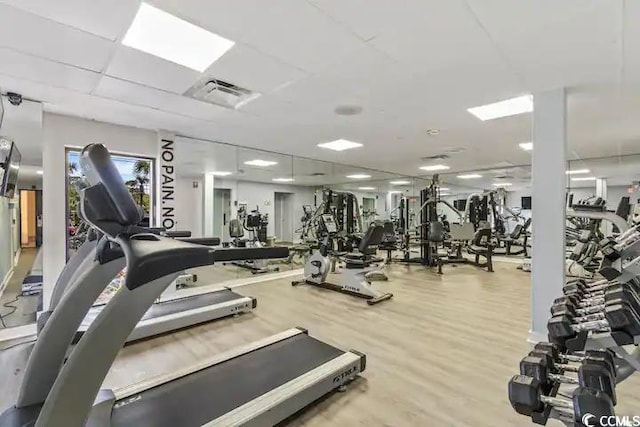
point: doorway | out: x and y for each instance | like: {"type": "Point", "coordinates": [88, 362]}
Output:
{"type": "Point", "coordinates": [283, 217]}
{"type": "Point", "coordinates": [30, 218]}
{"type": "Point", "coordinates": [221, 213]}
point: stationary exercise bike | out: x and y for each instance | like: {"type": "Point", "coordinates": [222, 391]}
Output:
{"type": "Point", "coordinates": [352, 279]}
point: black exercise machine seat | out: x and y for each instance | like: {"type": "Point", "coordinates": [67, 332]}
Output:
{"type": "Point", "coordinates": [367, 247]}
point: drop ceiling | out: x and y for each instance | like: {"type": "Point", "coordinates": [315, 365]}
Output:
{"type": "Point", "coordinates": [410, 68]}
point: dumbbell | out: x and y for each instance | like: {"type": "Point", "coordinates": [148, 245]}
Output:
{"type": "Point", "coordinates": [594, 312]}
{"type": "Point", "coordinates": [526, 397]}
{"type": "Point", "coordinates": [617, 317]}
{"type": "Point", "coordinates": [599, 289]}
{"type": "Point", "coordinates": [583, 287]}
{"type": "Point", "coordinates": [615, 296]}
{"type": "Point", "coordinates": [557, 356]}
{"type": "Point", "coordinates": [581, 301]}
{"type": "Point", "coordinates": [595, 374]}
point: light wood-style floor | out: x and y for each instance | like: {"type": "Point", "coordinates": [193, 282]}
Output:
{"type": "Point", "coordinates": [440, 353]}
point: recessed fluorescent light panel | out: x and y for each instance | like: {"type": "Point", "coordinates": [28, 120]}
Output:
{"type": "Point", "coordinates": [509, 107]}
{"type": "Point", "coordinates": [340, 145]}
{"type": "Point", "coordinates": [584, 178]}
{"type": "Point", "coordinates": [359, 176]}
{"type": "Point", "coordinates": [470, 176]}
{"type": "Point", "coordinates": [261, 163]}
{"type": "Point", "coordinates": [399, 182]}
{"type": "Point", "coordinates": [577, 171]}
{"type": "Point", "coordinates": [444, 189]}
{"type": "Point", "coordinates": [395, 191]}
{"type": "Point", "coordinates": [282, 180]}
{"type": "Point", "coordinates": [502, 184]}
{"type": "Point", "coordinates": [161, 34]}
{"type": "Point", "coordinates": [220, 173]}
{"type": "Point", "coordinates": [435, 168]}
{"type": "Point", "coordinates": [39, 172]}
{"type": "Point", "coordinates": [526, 146]}
{"type": "Point", "coordinates": [367, 188]}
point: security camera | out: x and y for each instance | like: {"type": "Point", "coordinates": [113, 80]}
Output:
{"type": "Point", "coordinates": [14, 98]}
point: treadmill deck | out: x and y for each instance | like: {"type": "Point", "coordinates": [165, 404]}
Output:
{"type": "Point", "coordinates": [170, 307]}
{"type": "Point", "coordinates": [206, 395]}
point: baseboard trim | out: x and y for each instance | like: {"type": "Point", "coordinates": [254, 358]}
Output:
{"type": "Point", "coordinates": [17, 257]}
{"type": "Point", "coordinates": [5, 281]}
{"type": "Point", "coordinates": [536, 337]}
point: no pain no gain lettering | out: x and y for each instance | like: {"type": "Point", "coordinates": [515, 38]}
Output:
{"type": "Point", "coordinates": [167, 184]}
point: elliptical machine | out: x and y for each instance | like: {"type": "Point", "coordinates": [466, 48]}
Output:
{"type": "Point", "coordinates": [353, 278]}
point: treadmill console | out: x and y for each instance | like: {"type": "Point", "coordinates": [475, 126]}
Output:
{"type": "Point", "coordinates": [329, 223]}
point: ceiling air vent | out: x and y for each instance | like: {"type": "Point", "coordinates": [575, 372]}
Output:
{"type": "Point", "coordinates": [219, 92]}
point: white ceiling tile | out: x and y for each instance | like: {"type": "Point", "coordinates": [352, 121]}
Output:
{"type": "Point", "coordinates": [164, 101]}
{"type": "Point", "coordinates": [581, 50]}
{"type": "Point", "coordinates": [39, 36]}
{"type": "Point", "coordinates": [293, 31]}
{"type": "Point", "coordinates": [36, 69]}
{"type": "Point", "coordinates": [105, 18]}
{"type": "Point", "coordinates": [246, 67]}
{"type": "Point", "coordinates": [504, 18]}
{"type": "Point", "coordinates": [447, 37]}
{"type": "Point", "coordinates": [368, 19]}
{"type": "Point", "coordinates": [140, 67]}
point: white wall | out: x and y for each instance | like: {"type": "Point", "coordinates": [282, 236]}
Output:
{"type": "Point", "coordinates": [189, 205]}
{"type": "Point", "coordinates": [263, 195]}
{"type": "Point", "coordinates": [65, 131]}
{"type": "Point", "coordinates": [6, 252]}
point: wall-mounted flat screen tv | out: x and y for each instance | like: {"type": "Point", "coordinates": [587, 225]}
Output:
{"type": "Point", "coordinates": [9, 167]}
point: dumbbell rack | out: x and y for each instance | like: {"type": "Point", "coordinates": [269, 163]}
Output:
{"type": "Point", "coordinates": [620, 265]}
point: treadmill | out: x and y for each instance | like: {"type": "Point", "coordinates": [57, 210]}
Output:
{"type": "Point", "coordinates": [163, 316]}
{"type": "Point", "coordinates": [259, 384]}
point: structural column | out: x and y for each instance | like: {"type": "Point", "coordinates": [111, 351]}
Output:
{"type": "Point", "coordinates": [549, 130]}
{"type": "Point", "coordinates": [601, 191]}
{"type": "Point", "coordinates": [208, 193]}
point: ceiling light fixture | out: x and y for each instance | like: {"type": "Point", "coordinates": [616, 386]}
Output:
{"type": "Point", "coordinates": [261, 163]}
{"type": "Point", "coordinates": [220, 173]}
{"type": "Point", "coordinates": [433, 132]}
{"type": "Point", "coordinates": [470, 176]}
{"type": "Point", "coordinates": [585, 178]}
{"type": "Point", "coordinates": [399, 182]}
{"type": "Point", "coordinates": [577, 171]}
{"type": "Point", "coordinates": [501, 184]}
{"type": "Point", "coordinates": [283, 180]}
{"type": "Point", "coordinates": [358, 176]}
{"type": "Point", "coordinates": [395, 191]}
{"type": "Point", "coordinates": [39, 172]}
{"type": "Point", "coordinates": [506, 108]}
{"type": "Point", "coordinates": [435, 168]}
{"type": "Point", "coordinates": [367, 188]}
{"type": "Point", "coordinates": [161, 34]}
{"type": "Point", "coordinates": [526, 146]}
{"type": "Point", "coordinates": [445, 189]}
{"type": "Point", "coordinates": [340, 145]}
